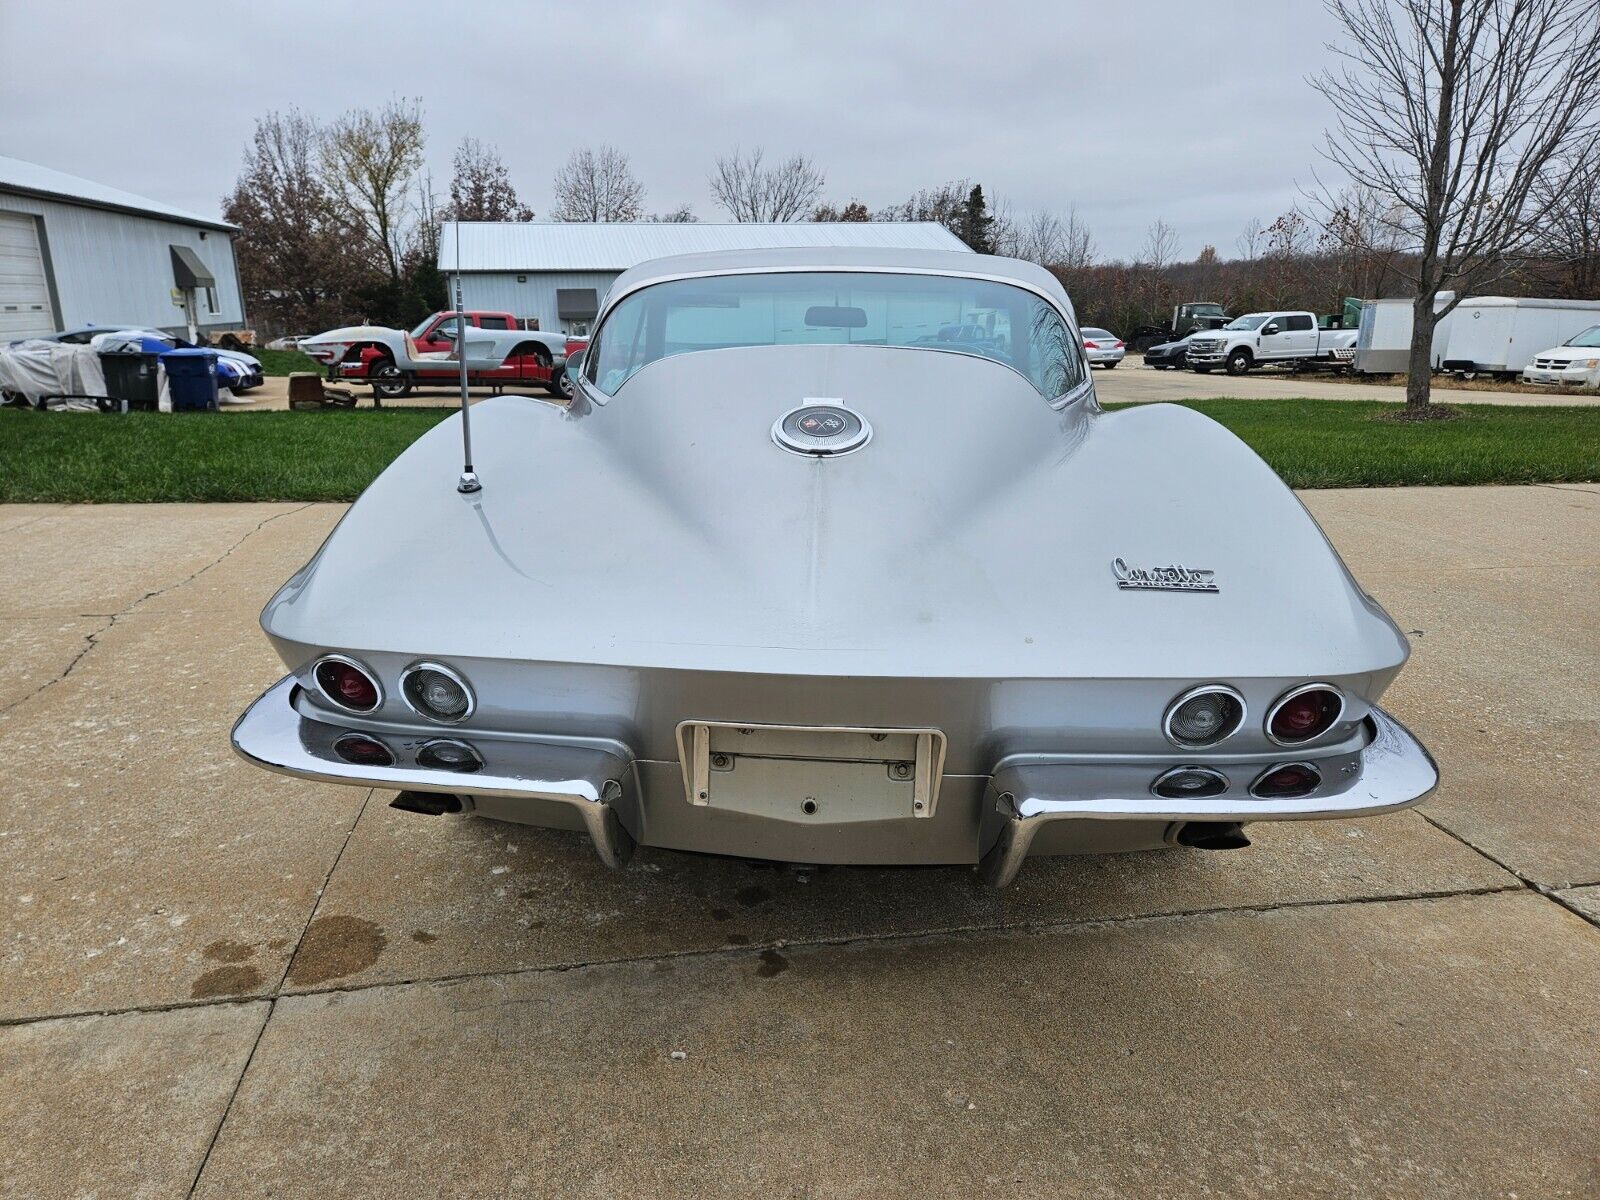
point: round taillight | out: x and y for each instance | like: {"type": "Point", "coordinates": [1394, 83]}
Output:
{"type": "Point", "coordinates": [1190, 783]}
{"type": "Point", "coordinates": [1304, 713]}
{"type": "Point", "coordinates": [448, 755]}
{"type": "Point", "coordinates": [1286, 781]}
{"type": "Point", "coordinates": [1203, 716]}
{"type": "Point", "coordinates": [437, 692]}
{"type": "Point", "coordinates": [362, 750]}
{"type": "Point", "coordinates": [348, 684]}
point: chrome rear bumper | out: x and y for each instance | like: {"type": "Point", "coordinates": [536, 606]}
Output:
{"type": "Point", "coordinates": [1392, 771]}
{"type": "Point", "coordinates": [596, 785]}
{"type": "Point", "coordinates": [595, 779]}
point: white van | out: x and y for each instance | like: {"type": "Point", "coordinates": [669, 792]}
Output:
{"type": "Point", "coordinates": [1574, 363]}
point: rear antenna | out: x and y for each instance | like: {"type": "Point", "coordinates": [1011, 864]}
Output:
{"type": "Point", "coordinates": [469, 482]}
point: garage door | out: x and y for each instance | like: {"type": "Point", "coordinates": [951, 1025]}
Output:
{"type": "Point", "coordinates": [24, 292]}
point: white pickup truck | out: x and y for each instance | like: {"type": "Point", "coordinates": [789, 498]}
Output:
{"type": "Point", "coordinates": [1266, 339]}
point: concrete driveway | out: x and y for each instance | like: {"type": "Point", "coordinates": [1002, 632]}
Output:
{"type": "Point", "coordinates": [226, 983]}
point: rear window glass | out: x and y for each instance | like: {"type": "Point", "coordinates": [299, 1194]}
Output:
{"type": "Point", "coordinates": [997, 321]}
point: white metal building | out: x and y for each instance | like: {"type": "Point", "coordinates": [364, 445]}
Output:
{"type": "Point", "coordinates": [73, 253]}
{"type": "Point", "coordinates": [557, 273]}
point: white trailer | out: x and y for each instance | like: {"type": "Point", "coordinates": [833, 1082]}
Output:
{"type": "Point", "coordinates": [1499, 335]}
{"type": "Point", "coordinates": [1383, 345]}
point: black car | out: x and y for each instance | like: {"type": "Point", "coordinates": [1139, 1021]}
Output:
{"type": "Point", "coordinates": [1168, 354]}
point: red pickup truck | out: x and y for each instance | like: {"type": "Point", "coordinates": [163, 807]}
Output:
{"type": "Point", "coordinates": [367, 354]}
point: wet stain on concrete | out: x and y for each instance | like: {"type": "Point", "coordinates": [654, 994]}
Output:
{"type": "Point", "coordinates": [225, 981]}
{"type": "Point", "coordinates": [752, 896]}
{"type": "Point", "coordinates": [721, 914]}
{"type": "Point", "coordinates": [228, 951]}
{"type": "Point", "coordinates": [738, 939]}
{"type": "Point", "coordinates": [528, 894]}
{"type": "Point", "coordinates": [772, 963]}
{"type": "Point", "coordinates": [277, 943]}
{"type": "Point", "coordinates": [423, 936]}
{"type": "Point", "coordinates": [335, 947]}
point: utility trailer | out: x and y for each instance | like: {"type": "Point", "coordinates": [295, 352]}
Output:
{"type": "Point", "coordinates": [1499, 335]}
{"type": "Point", "coordinates": [1383, 345]}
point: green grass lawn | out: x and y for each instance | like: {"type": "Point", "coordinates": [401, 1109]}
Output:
{"type": "Point", "coordinates": [281, 362]}
{"type": "Point", "coordinates": [141, 457]}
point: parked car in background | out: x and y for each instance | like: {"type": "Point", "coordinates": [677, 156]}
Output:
{"type": "Point", "coordinates": [374, 354]}
{"type": "Point", "coordinates": [290, 341]}
{"type": "Point", "coordinates": [1266, 339]}
{"type": "Point", "coordinates": [236, 370]}
{"type": "Point", "coordinates": [1574, 363]}
{"type": "Point", "coordinates": [1168, 355]}
{"type": "Point", "coordinates": [1102, 347]}
{"type": "Point", "coordinates": [755, 592]}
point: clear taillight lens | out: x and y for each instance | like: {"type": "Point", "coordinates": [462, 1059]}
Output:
{"type": "Point", "coordinates": [1204, 716]}
{"type": "Point", "coordinates": [437, 692]}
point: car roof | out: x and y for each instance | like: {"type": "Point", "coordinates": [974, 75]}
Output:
{"type": "Point", "coordinates": [841, 258]}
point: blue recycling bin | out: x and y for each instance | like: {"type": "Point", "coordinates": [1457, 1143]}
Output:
{"type": "Point", "coordinates": [192, 379]}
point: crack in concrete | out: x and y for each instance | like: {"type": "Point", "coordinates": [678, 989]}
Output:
{"type": "Point", "coordinates": [1568, 487]}
{"type": "Point", "coordinates": [1528, 883]}
{"type": "Point", "coordinates": [954, 933]}
{"type": "Point", "coordinates": [316, 906]}
{"type": "Point", "coordinates": [92, 638]}
{"type": "Point", "coordinates": [227, 1108]}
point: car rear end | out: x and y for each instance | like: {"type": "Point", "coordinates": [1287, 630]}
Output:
{"type": "Point", "coordinates": [1102, 347]}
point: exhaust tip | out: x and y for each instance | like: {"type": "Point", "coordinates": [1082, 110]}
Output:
{"type": "Point", "coordinates": [429, 804]}
{"type": "Point", "coordinates": [1213, 835]}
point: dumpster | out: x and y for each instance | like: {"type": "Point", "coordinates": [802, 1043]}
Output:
{"type": "Point", "coordinates": [131, 376]}
{"type": "Point", "coordinates": [192, 379]}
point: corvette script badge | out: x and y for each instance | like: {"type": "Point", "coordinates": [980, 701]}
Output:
{"type": "Point", "coordinates": [1173, 578]}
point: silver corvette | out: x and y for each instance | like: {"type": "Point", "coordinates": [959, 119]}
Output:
{"type": "Point", "coordinates": [791, 578]}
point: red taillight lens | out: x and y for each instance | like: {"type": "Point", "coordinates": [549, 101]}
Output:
{"type": "Point", "coordinates": [1119, 345]}
{"type": "Point", "coordinates": [362, 750]}
{"type": "Point", "coordinates": [1091, 345]}
{"type": "Point", "coordinates": [1303, 715]}
{"type": "Point", "coordinates": [347, 685]}
{"type": "Point", "coordinates": [1286, 781]}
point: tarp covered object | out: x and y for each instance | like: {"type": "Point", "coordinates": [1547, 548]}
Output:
{"type": "Point", "coordinates": [36, 369]}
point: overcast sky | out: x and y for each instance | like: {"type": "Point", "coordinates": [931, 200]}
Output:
{"type": "Point", "coordinates": [1135, 111]}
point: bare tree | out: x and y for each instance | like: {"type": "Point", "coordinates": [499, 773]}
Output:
{"type": "Point", "coordinates": [480, 188]}
{"type": "Point", "coordinates": [749, 191]}
{"type": "Point", "coordinates": [370, 160]}
{"type": "Point", "coordinates": [1454, 112]}
{"type": "Point", "coordinates": [1249, 241]}
{"type": "Point", "coordinates": [597, 185]}
{"type": "Point", "coordinates": [1570, 238]}
{"type": "Point", "coordinates": [1160, 248]}
{"type": "Point", "coordinates": [1054, 241]}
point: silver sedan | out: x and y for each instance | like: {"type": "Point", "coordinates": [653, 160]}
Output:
{"type": "Point", "coordinates": [1102, 347]}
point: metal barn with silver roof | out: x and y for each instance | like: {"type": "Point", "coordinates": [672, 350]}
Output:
{"type": "Point", "coordinates": [74, 252]}
{"type": "Point", "coordinates": [557, 273]}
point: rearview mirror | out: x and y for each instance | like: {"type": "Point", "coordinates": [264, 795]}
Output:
{"type": "Point", "coordinates": [446, 333]}
{"type": "Point", "coordinates": [1270, 327]}
{"type": "Point", "coordinates": [574, 365]}
{"type": "Point", "coordinates": [827, 316]}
